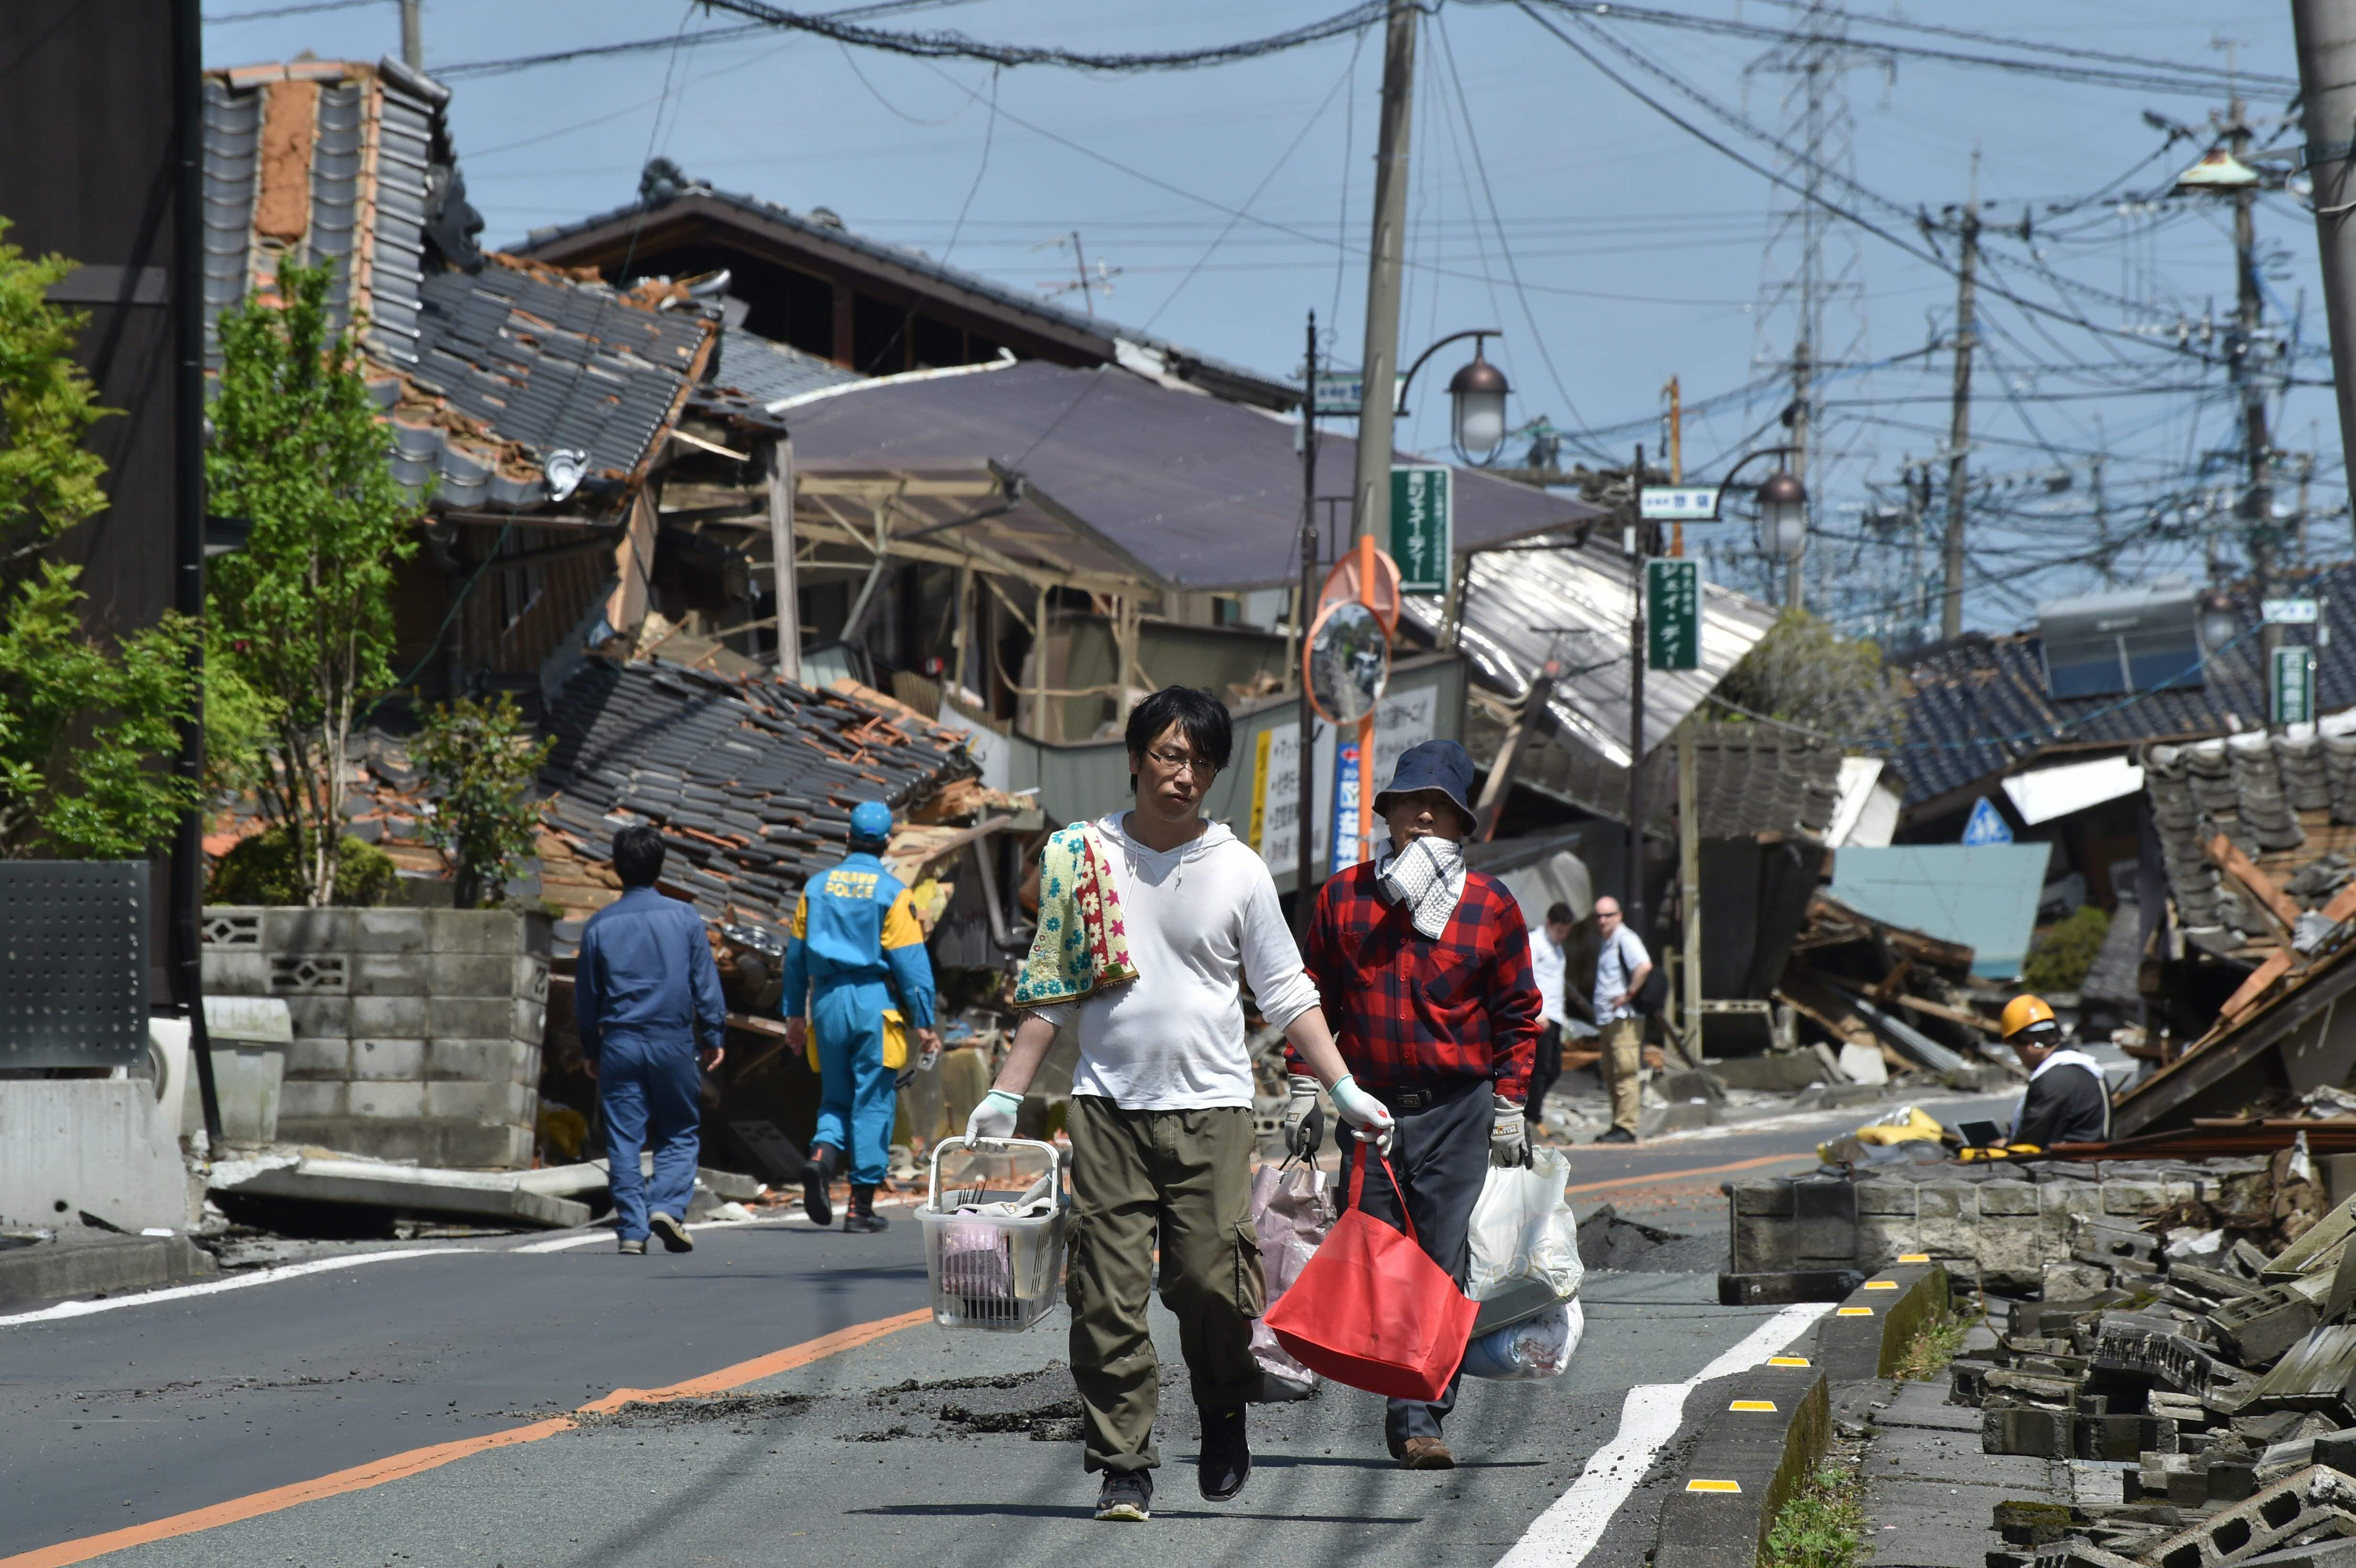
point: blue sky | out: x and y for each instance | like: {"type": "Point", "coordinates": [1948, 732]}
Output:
{"type": "Point", "coordinates": [1641, 252]}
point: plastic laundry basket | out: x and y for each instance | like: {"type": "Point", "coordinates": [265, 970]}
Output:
{"type": "Point", "coordinates": [993, 1270]}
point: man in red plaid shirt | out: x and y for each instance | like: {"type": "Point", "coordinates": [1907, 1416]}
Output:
{"type": "Point", "coordinates": [1423, 967]}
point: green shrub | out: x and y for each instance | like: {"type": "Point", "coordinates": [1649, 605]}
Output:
{"type": "Point", "coordinates": [2059, 959]}
{"type": "Point", "coordinates": [263, 869]}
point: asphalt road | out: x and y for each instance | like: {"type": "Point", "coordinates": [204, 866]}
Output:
{"type": "Point", "coordinates": [886, 1452]}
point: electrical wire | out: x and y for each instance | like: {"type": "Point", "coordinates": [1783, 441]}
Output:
{"type": "Point", "coordinates": [956, 46]}
{"type": "Point", "coordinates": [312, 8]}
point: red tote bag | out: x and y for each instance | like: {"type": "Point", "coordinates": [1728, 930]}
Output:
{"type": "Point", "coordinates": [1370, 1309]}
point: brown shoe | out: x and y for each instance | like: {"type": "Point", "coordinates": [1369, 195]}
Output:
{"type": "Point", "coordinates": [1425, 1454]}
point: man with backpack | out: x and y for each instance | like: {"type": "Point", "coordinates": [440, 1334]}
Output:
{"type": "Point", "coordinates": [1622, 967]}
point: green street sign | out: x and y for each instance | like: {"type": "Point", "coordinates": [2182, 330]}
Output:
{"type": "Point", "coordinates": [2291, 694]}
{"type": "Point", "coordinates": [1422, 525]}
{"type": "Point", "coordinates": [1673, 614]}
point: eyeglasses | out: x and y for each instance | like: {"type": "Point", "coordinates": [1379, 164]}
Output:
{"type": "Point", "coordinates": [1183, 762]}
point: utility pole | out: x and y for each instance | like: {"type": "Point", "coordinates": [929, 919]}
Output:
{"type": "Point", "coordinates": [1304, 831]}
{"type": "Point", "coordinates": [2325, 31]}
{"type": "Point", "coordinates": [413, 36]}
{"type": "Point", "coordinates": [1959, 424]}
{"type": "Point", "coordinates": [1795, 583]}
{"type": "Point", "coordinates": [2257, 443]}
{"type": "Point", "coordinates": [1689, 793]}
{"type": "Point", "coordinates": [1371, 490]}
{"type": "Point", "coordinates": [2102, 506]}
{"type": "Point", "coordinates": [1632, 899]}
{"type": "Point", "coordinates": [2306, 476]}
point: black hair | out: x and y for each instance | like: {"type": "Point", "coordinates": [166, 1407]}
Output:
{"type": "Point", "coordinates": [1194, 709]}
{"type": "Point", "coordinates": [639, 852]}
{"type": "Point", "coordinates": [1560, 915]}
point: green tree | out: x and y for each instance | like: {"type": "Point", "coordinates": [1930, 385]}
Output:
{"type": "Point", "coordinates": [83, 727]}
{"type": "Point", "coordinates": [481, 765]}
{"type": "Point", "coordinates": [303, 615]}
{"type": "Point", "coordinates": [1803, 672]}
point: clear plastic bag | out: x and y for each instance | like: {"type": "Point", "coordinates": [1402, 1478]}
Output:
{"type": "Point", "coordinates": [1535, 1348]}
{"type": "Point", "coordinates": [1524, 1229]}
{"type": "Point", "coordinates": [1291, 1213]}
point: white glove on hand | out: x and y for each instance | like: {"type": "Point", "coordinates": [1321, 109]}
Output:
{"type": "Point", "coordinates": [1305, 1123]}
{"type": "Point", "coordinates": [1370, 1116]}
{"type": "Point", "coordinates": [1509, 1136]}
{"type": "Point", "coordinates": [993, 1119]}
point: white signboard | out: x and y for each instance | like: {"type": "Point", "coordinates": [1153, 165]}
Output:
{"type": "Point", "coordinates": [1402, 720]}
{"type": "Point", "coordinates": [2290, 612]}
{"type": "Point", "coordinates": [1678, 503]}
{"type": "Point", "coordinates": [1343, 392]}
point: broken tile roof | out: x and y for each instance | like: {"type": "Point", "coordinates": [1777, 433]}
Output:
{"type": "Point", "coordinates": [751, 779]}
{"type": "Point", "coordinates": [1751, 778]}
{"type": "Point", "coordinates": [754, 372]}
{"type": "Point", "coordinates": [1979, 707]}
{"type": "Point", "coordinates": [488, 366]}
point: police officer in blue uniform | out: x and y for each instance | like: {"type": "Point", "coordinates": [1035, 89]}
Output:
{"type": "Point", "coordinates": [856, 941]}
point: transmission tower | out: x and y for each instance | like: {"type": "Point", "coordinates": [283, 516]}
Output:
{"type": "Point", "coordinates": [1811, 319]}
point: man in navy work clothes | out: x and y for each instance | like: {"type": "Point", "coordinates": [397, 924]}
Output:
{"type": "Point", "coordinates": [645, 987]}
{"type": "Point", "coordinates": [856, 941]}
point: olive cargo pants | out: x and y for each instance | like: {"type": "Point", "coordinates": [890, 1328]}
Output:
{"type": "Point", "coordinates": [1180, 1179]}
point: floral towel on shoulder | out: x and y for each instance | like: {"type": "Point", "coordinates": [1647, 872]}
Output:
{"type": "Point", "coordinates": [1081, 948]}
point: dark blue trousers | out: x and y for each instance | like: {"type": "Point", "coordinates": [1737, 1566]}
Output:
{"type": "Point", "coordinates": [648, 1091]}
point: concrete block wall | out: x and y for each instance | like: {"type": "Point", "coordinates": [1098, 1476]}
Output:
{"type": "Point", "coordinates": [417, 1032]}
{"type": "Point", "coordinates": [1994, 1224]}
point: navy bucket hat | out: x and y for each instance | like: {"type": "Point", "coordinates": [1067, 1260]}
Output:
{"type": "Point", "coordinates": [1435, 764]}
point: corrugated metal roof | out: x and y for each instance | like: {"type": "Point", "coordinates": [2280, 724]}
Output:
{"type": "Point", "coordinates": [1978, 706]}
{"type": "Point", "coordinates": [1578, 603]}
{"type": "Point", "coordinates": [1203, 493]}
{"type": "Point", "coordinates": [831, 234]}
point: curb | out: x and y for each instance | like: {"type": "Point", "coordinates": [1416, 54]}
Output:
{"type": "Point", "coordinates": [1750, 1457]}
{"type": "Point", "coordinates": [53, 1271]}
{"type": "Point", "coordinates": [1866, 1335]}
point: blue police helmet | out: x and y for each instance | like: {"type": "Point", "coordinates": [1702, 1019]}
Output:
{"type": "Point", "coordinates": [871, 822]}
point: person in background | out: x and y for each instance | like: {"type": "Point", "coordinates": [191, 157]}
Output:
{"type": "Point", "coordinates": [855, 942]}
{"type": "Point", "coordinates": [1622, 967]}
{"type": "Point", "coordinates": [2067, 1100]}
{"type": "Point", "coordinates": [1424, 965]}
{"type": "Point", "coordinates": [1160, 1118]}
{"type": "Point", "coordinates": [644, 986]}
{"type": "Point", "coordinates": [1549, 968]}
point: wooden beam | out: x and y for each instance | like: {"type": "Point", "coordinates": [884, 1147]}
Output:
{"type": "Point", "coordinates": [2246, 997]}
{"type": "Point", "coordinates": [2238, 866]}
{"type": "Point", "coordinates": [786, 583]}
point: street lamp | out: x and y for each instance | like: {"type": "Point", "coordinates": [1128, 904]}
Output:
{"type": "Point", "coordinates": [1782, 513]}
{"type": "Point", "coordinates": [2221, 622]}
{"type": "Point", "coordinates": [1477, 396]}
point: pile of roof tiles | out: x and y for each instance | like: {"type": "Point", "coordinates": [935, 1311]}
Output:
{"type": "Point", "coordinates": [2218, 1376]}
{"type": "Point", "coordinates": [751, 779]}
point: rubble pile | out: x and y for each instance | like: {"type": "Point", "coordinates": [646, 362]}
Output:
{"type": "Point", "coordinates": [1880, 990]}
{"type": "Point", "coordinates": [2206, 1350]}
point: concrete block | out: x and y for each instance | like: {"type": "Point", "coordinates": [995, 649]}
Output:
{"type": "Point", "coordinates": [390, 931]}
{"type": "Point", "coordinates": [529, 1020]}
{"type": "Point", "coordinates": [108, 1146]}
{"type": "Point", "coordinates": [55, 1270]}
{"type": "Point", "coordinates": [1885, 1198]}
{"type": "Point", "coordinates": [472, 975]}
{"type": "Point", "coordinates": [247, 1083]}
{"type": "Point", "coordinates": [2008, 1198]}
{"type": "Point", "coordinates": [1750, 1457]}
{"type": "Point", "coordinates": [331, 1058]}
{"type": "Point", "coordinates": [381, 1060]}
{"type": "Point", "coordinates": [390, 1018]}
{"type": "Point", "coordinates": [236, 972]}
{"type": "Point", "coordinates": [2068, 1198]}
{"type": "Point", "coordinates": [1763, 1245]}
{"type": "Point", "coordinates": [527, 1066]}
{"type": "Point", "coordinates": [260, 1021]}
{"type": "Point", "coordinates": [409, 1188]}
{"type": "Point", "coordinates": [382, 1101]}
{"type": "Point", "coordinates": [1825, 1214]}
{"type": "Point", "coordinates": [388, 974]}
{"type": "Point", "coordinates": [467, 1018]}
{"type": "Point", "coordinates": [1780, 1072]}
{"type": "Point", "coordinates": [474, 931]}
{"type": "Point", "coordinates": [474, 1060]}
{"type": "Point", "coordinates": [320, 1018]}
{"type": "Point", "coordinates": [2134, 1196]}
{"type": "Point", "coordinates": [1765, 1198]}
{"type": "Point", "coordinates": [523, 1103]}
{"type": "Point", "coordinates": [2041, 1433]}
{"type": "Point", "coordinates": [302, 974]}
{"type": "Point", "coordinates": [2074, 1281]}
{"type": "Point", "coordinates": [529, 979]}
{"type": "Point", "coordinates": [292, 930]}
{"type": "Point", "coordinates": [307, 1099]}
{"type": "Point", "coordinates": [469, 1102]}
{"type": "Point", "coordinates": [1937, 1201]}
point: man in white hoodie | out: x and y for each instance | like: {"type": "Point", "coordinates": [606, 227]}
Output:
{"type": "Point", "coordinates": [1160, 1118]}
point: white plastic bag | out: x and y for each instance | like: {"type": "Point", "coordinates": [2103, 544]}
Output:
{"type": "Point", "coordinates": [1535, 1348]}
{"type": "Point", "coordinates": [1524, 1229]}
{"type": "Point", "coordinates": [1291, 1213]}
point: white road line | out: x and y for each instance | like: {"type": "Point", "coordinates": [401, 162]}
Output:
{"type": "Point", "coordinates": [236, 1282]}
{"type": "Point", "coordinates": [1563, 1535]}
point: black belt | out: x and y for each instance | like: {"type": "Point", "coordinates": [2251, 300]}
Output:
{"type": "Point", "coordinates": [1424, 1099]}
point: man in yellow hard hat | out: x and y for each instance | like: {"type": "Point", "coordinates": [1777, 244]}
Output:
{"type": "Point", "coordinates": [2067, 1100]}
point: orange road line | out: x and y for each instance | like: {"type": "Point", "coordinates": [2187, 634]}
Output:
{"type": "Point", "coordinates": [416, 1461]}
{"type": "Point", "coordinates": [1638, 1181]}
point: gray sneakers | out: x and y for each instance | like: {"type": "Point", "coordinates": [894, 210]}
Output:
{"type": "Point", "coordinates": [673, 1234]}
{"type": "Point", "coordinates": [637, 1249]}
{"type": "Point", "coordinates": [1126, 1494]}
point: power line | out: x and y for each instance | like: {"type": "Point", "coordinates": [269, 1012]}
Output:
{"type": "Point", "coordinates": [646, 46]}
{"type": "Point", "coordinates": [956, 46]}
{"type": "Point", "coordinates": [305, 10]}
